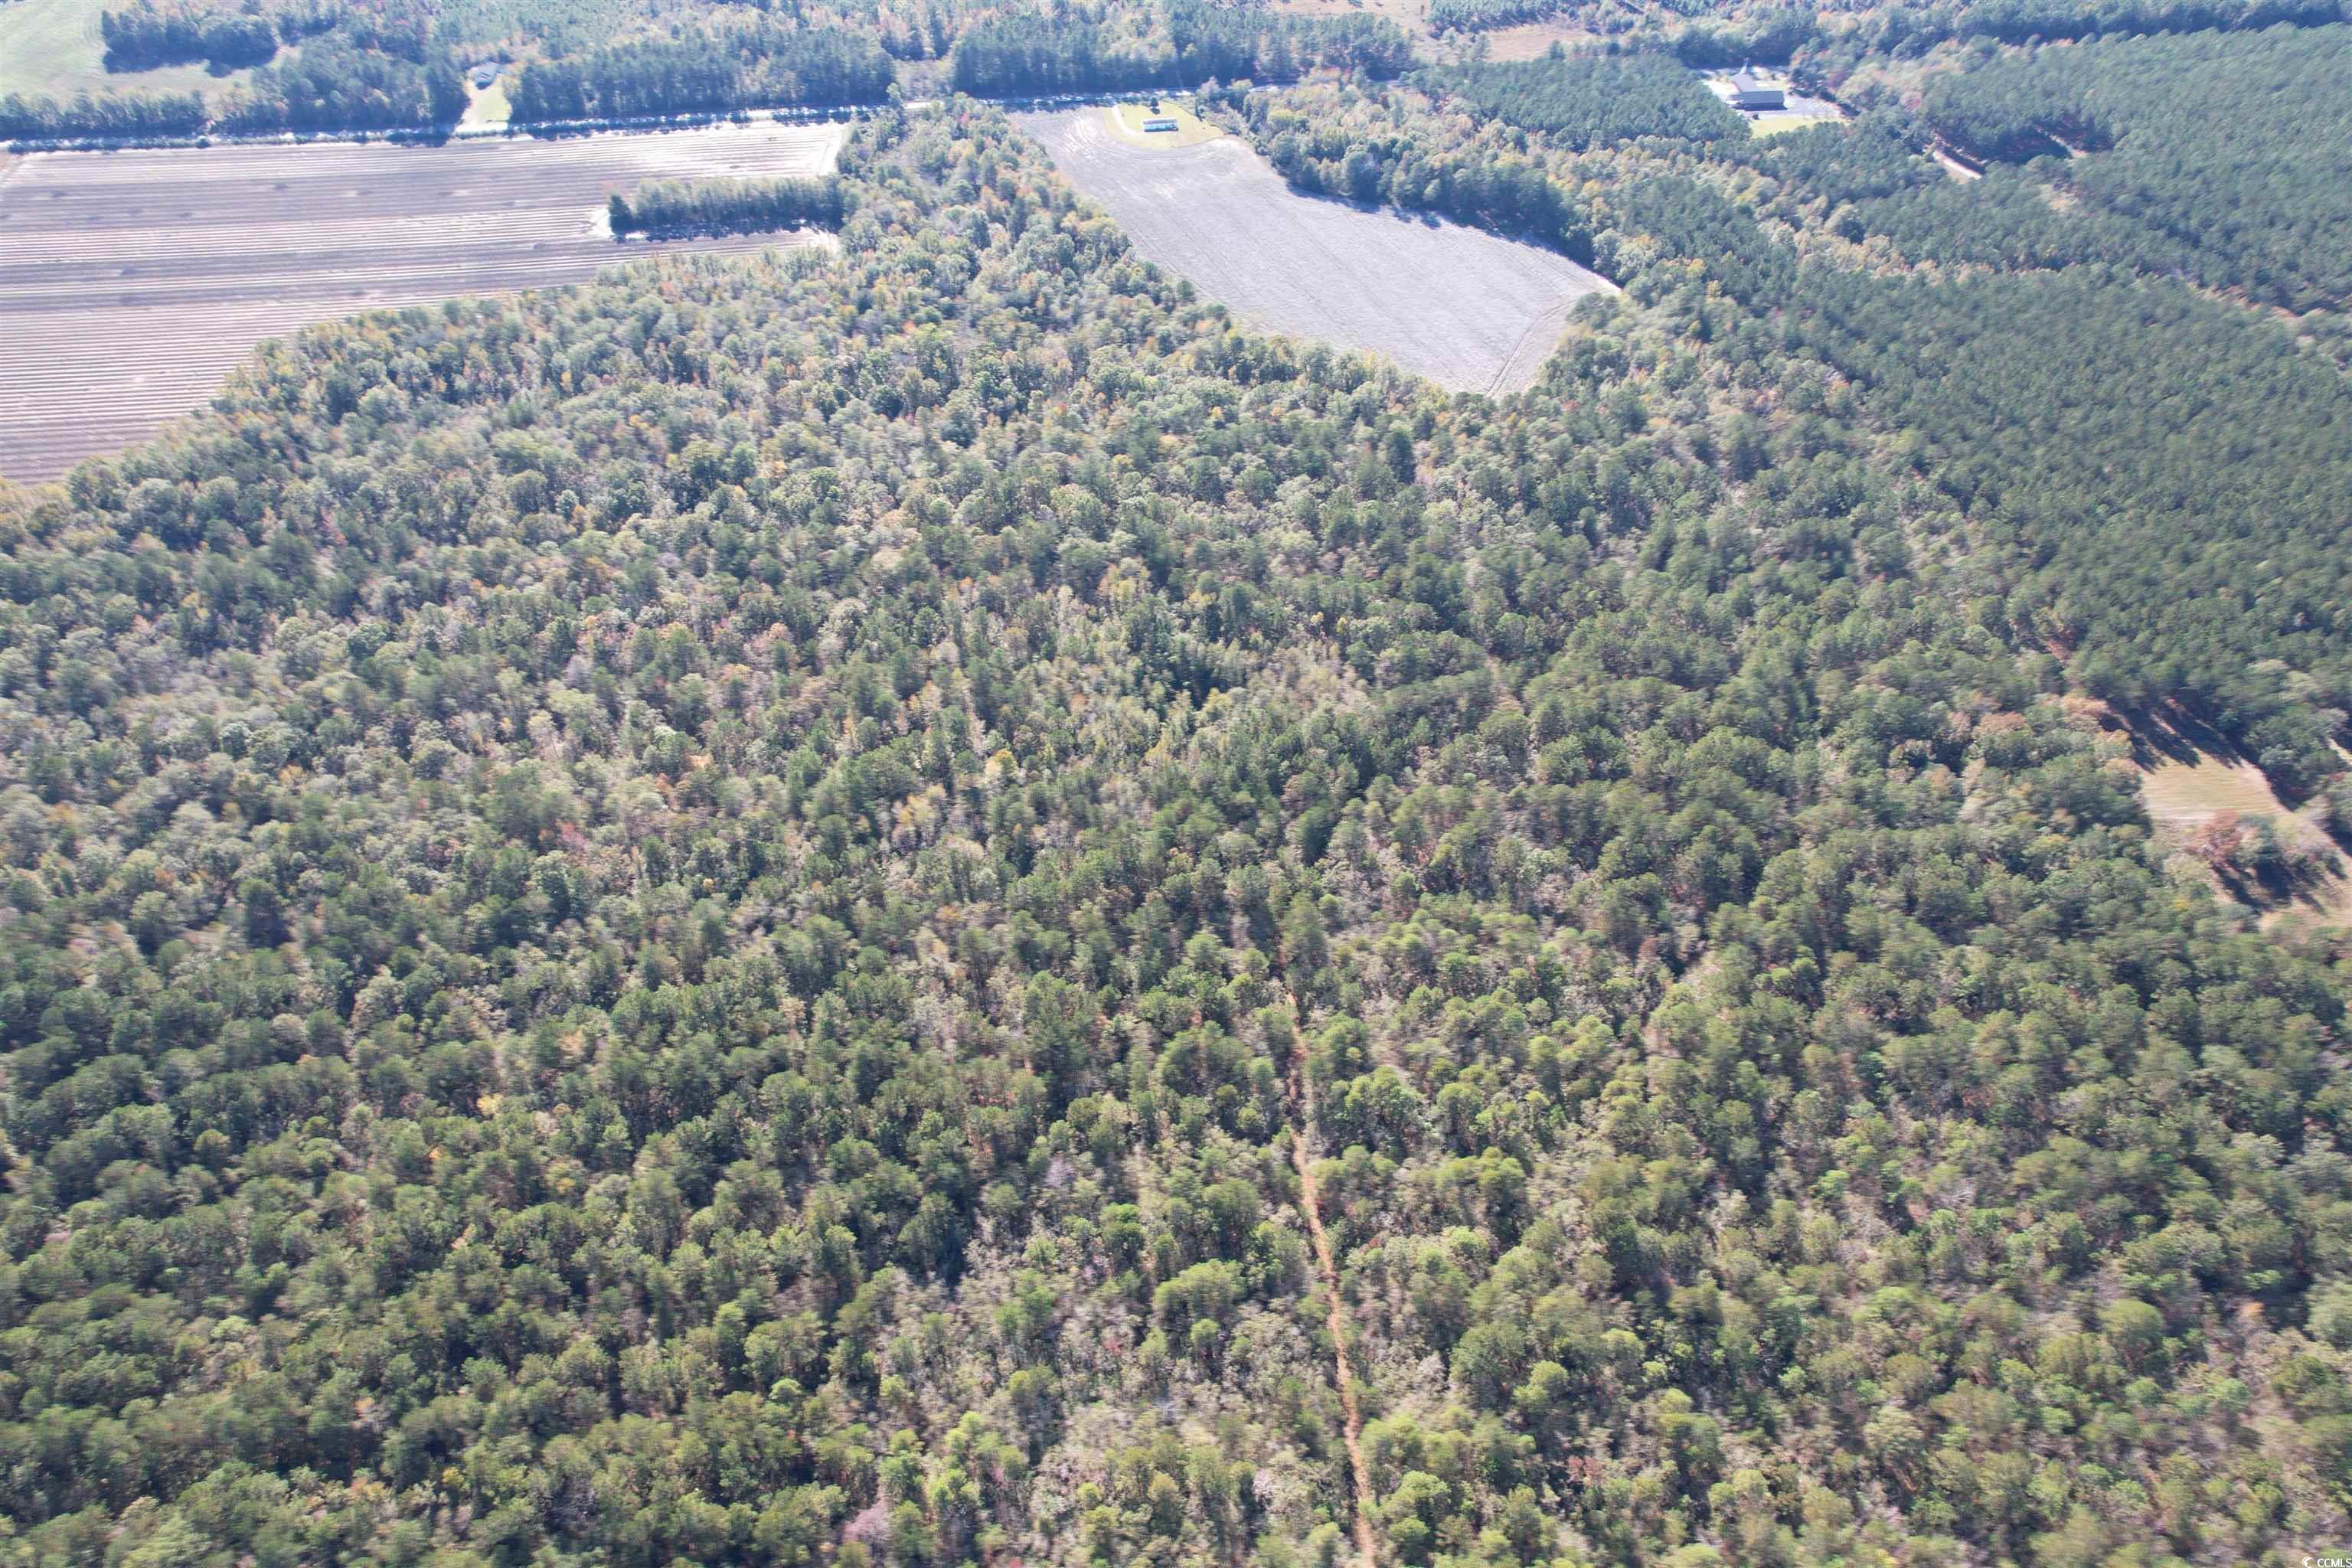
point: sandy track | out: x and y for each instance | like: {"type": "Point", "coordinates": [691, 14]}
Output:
{"type": "Point", "coordinates": [1452, 304]}
{"type": "Point", "coordinates": [131, 283]}
{"type": "Point", "coordinates": [1335, 1299]}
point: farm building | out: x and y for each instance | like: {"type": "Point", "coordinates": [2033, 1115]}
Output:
{"type": "Point", "coordinates": [1161, 123]}
{"type": "Point", "coordinates": [484, 73]}
{"type": "Point", "coordinates": [1749, 91]}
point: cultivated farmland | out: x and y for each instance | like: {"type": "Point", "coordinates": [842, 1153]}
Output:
{"type": "Point", "coordinates": [130, 282]}
{"type": "Point", "coordinates": [1469, 310]}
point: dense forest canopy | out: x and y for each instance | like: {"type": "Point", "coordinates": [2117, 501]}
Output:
{"type": "Point", "coordinates": [356, 67]}
{"type": "Point", "coordinates": [736, 68]}
{"type": "Point", "coordinates": [726, 206]}
{"type": "Point", "coordinates": [1592, 99]}
{"type": "Point", "coordinates": [1195, 43]}
{"type": "Point", "coordinates": [919, 904]}
{"type": "Point", "coordinates": [393, 64]}
{"type": "Point", "coordinates": [144, 35]}
{"type": "Point", "coordinates": [2225, 151]}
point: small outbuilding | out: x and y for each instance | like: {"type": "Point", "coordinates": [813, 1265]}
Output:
{"type": "Point", "coordinates": [484, 73]}
{"type": "Point", "coordinates": [1159, 124]}
{"type": "Point", "coordinates": [1751, 91]}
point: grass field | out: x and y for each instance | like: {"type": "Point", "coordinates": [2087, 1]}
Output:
{"type": "Point", "coordinates": [52, 49]}
{"type": "Point", "coordinates": [2185, 796]}
{"type": "Point", "coordinates": [1470, 311]}
{"type": "Point", "coordinates": [131, 283]}
{"type": "Point", "coordinates": [1774, 124]}
{"type": "Point", "coordinates": [2181, 796]}
{"type": "Point", "coordinates": [2184, 787]}
{"type": "Point", "coordinates": [1127, 119]}
{"type": "Point", "coordinates": [487, 105]}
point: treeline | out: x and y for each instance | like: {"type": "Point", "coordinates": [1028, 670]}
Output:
{"type": "Point", "coordinates": [1479, 16]}
{"type": "Point", "coordinates": [768, 64]}
{"type": "Point", "coordinates": [2040, 396]}
{"type": "Point", "coordinates": [2037, 401]}
{"type": "Point", "coordinates": [157, 116]}
{"type": "Point", "coordinates": [665, 207]}
{"type": "Point", "coordinates": [1591, 99]}
{"type": "Point", "coordinates": [1031, 53]}
{"type": "Point", "coordinates": [1869, 180]}
{"type": "Point", "coordinates": [1907, 31]}
{"type": "Point", "coordinates": [2188, 169]}
{"type": "Point", "coordinates": [1716, 36]}
{"type": "Point", "coordinates": [2217, 154]}
{"type": "Point", "coordinates": [1775, 36]}
{"type": "Point", "coordinates": [355, 71]}
{"type": "Point", "coordinates": [1498, 192]}
{"type": "Point", "coordinates": [2224, 489]}
{"type": "Point", "coordinates": [146, 36]}
{"type": "Point", "coordinates": [335, 84]}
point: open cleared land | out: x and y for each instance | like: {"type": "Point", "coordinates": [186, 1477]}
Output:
{"type": "Point", "coordinates": [130, 282]}
{"type": "Point", "coordinates": [1802, 111]}
{"type": "Point", "coordinates": [52, 49]}
{"type": "Point", "coordinates": [2183, 795]}
{"type": "Point", "coordinates": [1129, 119]}
{"type": "Point", "coordinates": [2185, 786]}
{"type": "Point", "coordinates": [487, 105]}
{"type": "Point", "coordinates": [1471, 312]}
{"type": "Point", "coordinates": [1524, 40]}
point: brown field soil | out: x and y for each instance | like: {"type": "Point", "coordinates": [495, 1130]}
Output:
{"type": "Point", "coordinates": [130, 282]}
{"type": "Point", "coordinates": [1523, 41]}
{"type": "Point", "coordinates": [1442, 300]}
{"type": "Point", "coordinates": [1954, 167]}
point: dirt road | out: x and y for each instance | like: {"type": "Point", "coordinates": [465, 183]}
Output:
{"type": "Point", "coordinates": [1310, 1203]}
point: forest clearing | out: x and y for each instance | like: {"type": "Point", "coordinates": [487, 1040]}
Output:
{"type": "Point", "coordinates": [53, 47]}
{"type": "Point", "coordinates": [2221, 812]}
{"type": "Point", "coordinates": [487, 106]}
{"type": "Point", "coordinates": [2225, 813]}
{"type": "Point", "coordinates": [134, 281]}
{"type": "Point", "coordinates": [1444, 302]}
{"type": "Point", "coordinates": [1135, 122]}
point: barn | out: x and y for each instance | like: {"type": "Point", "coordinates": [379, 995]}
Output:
{"type": "Point", "coordinates": [1751, 91]}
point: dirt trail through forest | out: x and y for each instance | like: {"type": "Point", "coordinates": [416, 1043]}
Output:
{"type": "Point", "coordinates": [1310, 1202]}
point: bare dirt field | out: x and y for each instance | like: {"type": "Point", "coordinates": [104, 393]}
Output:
{"type": "Point", "coordinates": [130, 282]}
{"type": "Point", "coordinates": [1525, 40]}
{"type": "Point", "coordinates": [1470, 311]}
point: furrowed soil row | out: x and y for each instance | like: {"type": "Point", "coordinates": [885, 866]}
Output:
{"type": "Point", "coordinates": [1452, 304]}
{"type": "Point", "coordinates": [132, 282]}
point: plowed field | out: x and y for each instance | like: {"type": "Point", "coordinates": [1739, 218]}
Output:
{"type": "Point", "coordinates": [1470, 311]}
{"type": "Point", "coordinates": [130, 282]}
